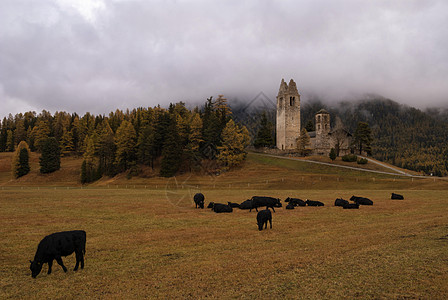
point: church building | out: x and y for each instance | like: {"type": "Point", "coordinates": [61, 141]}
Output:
{"type": "Point", "coordinates": [289, 122]}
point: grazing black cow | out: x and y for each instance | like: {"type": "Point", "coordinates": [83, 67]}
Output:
{"type": "Point", "coordinates": [290, 206]}
{"type": "Point", "coordinates": [340, 202]}
{"type": "Point", "coordinates": [54, 246]}
{"type": "Point", "coordinates": [361, 200]}
{"type": "Point", "coordinates": [263, 217]}
{"type": "Point", "coordinates": [313, 203]}
{"type": "Point", "coordinates": [259, 201]}
{"type": "Point", "coordinates": [246, 204]}
{"type": "Point", "coordinates": [295, 201]}
{"type": "Point", "coordinates": [199, 200]}
{"type": "Point", "coordinates": [350, 206]}
{"type": "Point", "coordinates": [233, 205]}
{"type": "Point", "coordinates": [221, 208]}
{"type": "Point", "coordinates": [396, 197]}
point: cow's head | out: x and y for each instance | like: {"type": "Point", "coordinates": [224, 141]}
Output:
{"type": "Point", "coordinates": [35, 268]}
{"type": "Point", "coordinates": [260, 226]}
{"type": "Point", "coordinates": [278, 203]}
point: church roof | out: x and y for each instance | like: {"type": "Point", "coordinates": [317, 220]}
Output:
{"type": "Point", "coordinates": [322, 111]}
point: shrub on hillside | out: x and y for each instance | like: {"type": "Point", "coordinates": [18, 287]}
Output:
{"type": "Point", "coordinates": [362, 161]}
{"type": "Point", "coordinates": [350, 158]}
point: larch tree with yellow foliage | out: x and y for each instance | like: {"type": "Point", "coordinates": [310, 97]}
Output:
{"type": "Point", "coordinates": [235, 139]}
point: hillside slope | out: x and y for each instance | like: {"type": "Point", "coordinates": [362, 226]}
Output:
{"type": "Point", "coordinates": [258, 172]}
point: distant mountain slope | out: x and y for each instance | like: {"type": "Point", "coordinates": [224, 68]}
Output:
{"type": "Point", "coordinates": [403, 136]}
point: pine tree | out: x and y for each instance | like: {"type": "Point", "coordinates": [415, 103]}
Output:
{"type": "Point", "coordinates": [362, 138]}
{"type": "Point", "coordinates": [88, 165]}
{"type": "Point", "coordinates": [126, 142]}
{"type": "Point", "coordinates": [40, 133]}
{"type": "Point", "coordinates": [172, 152]}
{"type": "Point", "coordinates": [192, 150]}
{"type": "Point", "coordinates": [67, 145]}
{"type": "Point", "coordinates": [20, 164]}
{"type": "Point", "coordinates": [50, 159]}
{"type": "Point", "coordinates": [303, 142]}
{"type": "Point", "coordinates": [106, 149]}
{"type": "Point", "coordinates": [234, 141]}
{"type": "Point", "coordinates": [10, 141]}
{"type": "Point", "coordinates": [264, 136]}
{"type": "Point", "coordinates": [332, 154]}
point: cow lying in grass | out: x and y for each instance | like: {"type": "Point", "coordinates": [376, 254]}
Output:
{"type": "Point", "coordinates": [54, 246]}
{"type": "Point", "coordinates": [361, 200]}
{"type": "Point", "coordinates": [313, 203]}
{"type": "Point", "coordinates": [340, 202]}
{"type": "Point", "coordinates": [295, 201]}
{"type": "Point", "coordinates": [220, 208]}
{"type": "Point", "coordinates": [396, 197]}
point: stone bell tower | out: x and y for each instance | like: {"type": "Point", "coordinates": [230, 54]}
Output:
{"type": "Point", "coordinates": [288, 116]}
{"type": "Point", "coordinates": [322, 144]}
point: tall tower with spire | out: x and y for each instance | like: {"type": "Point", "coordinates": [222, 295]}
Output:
{"type": "Point", "coordinates": [288, 116]}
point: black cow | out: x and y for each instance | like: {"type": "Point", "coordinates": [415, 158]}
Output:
{"type": "Point", "coordinates": [233, 205]}
{"type": "Point", "coordinates": [290, 206]}
{"type": "Point", "coordinates": [396, 197]}
{"type": "Point", "coordinates": [295, 201]}
{"type": "Point", "coordinates": [221, 208]}
{"type": "Point", "coordinates": [259, 201]}
{"type": "Point", "coordinates": [210, 205]}
{"type": "Point", "coordinates": [199, 200]}
{"type": "Point", "coordinates": [340, 202]}
{"type": "Point", "coordinates": [263, 217]}
{"type": "Point", "coordinates": [350, 206]}
{"type": "Point", "coordinates": [361, 200]}
{"type": "Point", "coordinates": [313, 203]}
{"type": "Point", "coordinates": [246, 204]}
{"type": "Point", "coordinates": [54, 246]}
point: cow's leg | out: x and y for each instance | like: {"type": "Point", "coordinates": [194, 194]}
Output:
{"type": "Point", "coordinates": [50, 264]}
{"type": "Point", "coordinates": [59, 260]}
{"type": "Point", "coordinates": [77, 254]}
{"type": "Point", "coordinates": [266, 224]}
{"type": "Point", "coordinates": [272, 208]}
{"type": "Point", "coordinates": [270, 222]}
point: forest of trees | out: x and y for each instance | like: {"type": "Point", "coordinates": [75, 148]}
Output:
{"type": "Point", "coordinates": [402, 136]}
{"type": "Point", "coordinates": [212, 138]}
{"type": "Point", "coordinates": [173, 140]}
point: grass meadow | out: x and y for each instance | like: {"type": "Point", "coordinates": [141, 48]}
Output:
{"type": "Point", "coordinates": [145, 243]}
{"type": "Point", "coordinates": [145, 239]}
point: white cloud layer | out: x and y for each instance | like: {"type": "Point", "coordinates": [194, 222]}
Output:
{"type": "Point", "coordinates": [97, 56]}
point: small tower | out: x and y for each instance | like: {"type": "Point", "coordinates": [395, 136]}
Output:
{"type": "Point", "coordinates": [288, 116]}
{"type": "Point", "coordinates": [322, 144]}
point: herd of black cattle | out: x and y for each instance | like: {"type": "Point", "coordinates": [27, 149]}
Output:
{"type": "Point", "coordinates": [56, 245]}
{"type": "Point", "coordinates": [265, 216]}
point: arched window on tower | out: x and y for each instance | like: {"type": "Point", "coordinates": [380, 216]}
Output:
{"type": "Point", "coordinates": [318, 119]}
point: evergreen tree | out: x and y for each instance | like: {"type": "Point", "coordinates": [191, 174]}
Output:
{"type": "Point", "coordinates": [88, 165]}
{"type": "Point", "coordinates": [172, 152]}
{"type": "Point", "coordinates": [192, 151]}
{"type": "Point", "coordinates": [234, 141]}
{"type": "Point", "coordinates": [40, 133]}
{"type": "Point", "coordinates": [126, 142]}
{"type": "Point", "coordinates": [50, 159]}
{"type": "Point", "coordinates": [10, 141]}
{"type": "Point", "coordinates": [106, 149]}
{"type": "Point", "coordinates": [146, 147]}
{"type": "Point", "coordinates": [264, 136]}
{"type": "Point", "coordinates": [303, 142]}
{"type": "Point", "coordinates": [310, 126]}
{"type": "Point", "coordinates": [332, 154]}
{"type": "Point", "coordinates": [67, 145]}
{"type": "Point", "coordinates": [20, 164]}
{"type": "Point", "coordinates": [362, 138]}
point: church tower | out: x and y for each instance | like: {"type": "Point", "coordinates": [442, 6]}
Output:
{"type": "Point", "coordinates": [288, 116]}
{"type": "Point", "coordinates": [322, 144]}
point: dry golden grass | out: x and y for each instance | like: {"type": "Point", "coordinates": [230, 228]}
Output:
{"type": "Point", "coordinates": [144, 243]}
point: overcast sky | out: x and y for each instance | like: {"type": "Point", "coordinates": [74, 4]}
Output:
{"type": "Point", "coordinates": [100, 55]}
